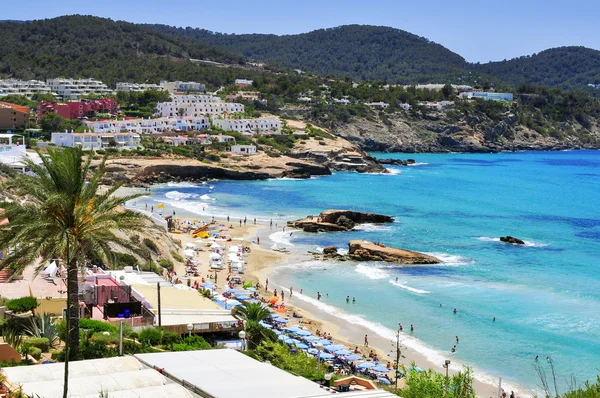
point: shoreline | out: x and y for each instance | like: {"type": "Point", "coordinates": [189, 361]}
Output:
{"type": "Point", "coordinates": [263, 262]}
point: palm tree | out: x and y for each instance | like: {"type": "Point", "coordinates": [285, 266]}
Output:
{"type": "Point", "coordinates": [252, 312]}
{"type": "Point", "coordinates": [63, 216]}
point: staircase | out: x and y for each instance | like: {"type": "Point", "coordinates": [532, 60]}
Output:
{"type": "Point", "coordinates": [4, 275]}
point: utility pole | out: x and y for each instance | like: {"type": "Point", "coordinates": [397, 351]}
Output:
{"type": "Point", "coordinates": [121, 339]}
{"type": "Point", "coordinates": [159, 318]}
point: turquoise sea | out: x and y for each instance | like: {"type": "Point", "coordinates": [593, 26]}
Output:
{"type": "Point", "coordinates": [545, 296]}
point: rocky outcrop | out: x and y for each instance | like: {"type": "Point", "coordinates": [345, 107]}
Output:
{"type": "Point", "coordinates": [330, 250]}
{"type": "Point", "coordinates": [338, 220]}
{"type": "Point", "coordinates": [361, 250]}
{"type": "Point", "coordinates": [511, 240]}
{"type": "Point", "coordinates": [397, 162]}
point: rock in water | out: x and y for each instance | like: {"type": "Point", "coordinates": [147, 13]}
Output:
{"type": "Point", "coordinates": [345, 222]}
{"type": "Point", "coordinates": [338, 220]}
{"type": "Point", "coordinates": [362, 250]}
{"type": "Point", "coordinates": [330, 250]}
{"type": "Point", "coordinates": [512, 240]}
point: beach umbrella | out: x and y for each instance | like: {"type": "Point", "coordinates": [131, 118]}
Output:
{"type": "Point", "coordinates": [189, 253]}
{"type": "Point", "coordinates": [277, 332]}
{"type": "Point", "coordinates": [301, 346]}
{"type": "Point", "coordinates": [332, 348]}
{"type": "Point", "coordinates": [313, 351]}
{"type": "Point", "coordinates": [208, 285]}
{"type": "Point", "coordinates": [303, 333]}
{"type": "Point", "coordinates": [294, 341]}
{"type": "Point", "coordinates": [353, 357]}
{"type": "Point", "coordinates": [251, 289]}
{"type": "Point", "coordinates": [326, 356]}
{"type": "Point", "coordinates": [292, 329]}
{"type": "Point", "coordinates": [242, 297]}
{"type": "Point", "coordinates": [324, 342]}
{"type": "Point", "coordinates": [265, 325]}
{"type": "Point", "coordinates": [380, 369]}
{"type": "Point", "coordinates": [284, 338]}
{"type": "Point", "coordinates": [280, 320]}
{"type": "Point", "coordinates": [273, 300]}
{"type": "Point", "coordinates": [311, 338]}
{"type": "Point", "coordinates": [365, 365]}
{"type": "Point", "coordinates": [232, 303]}
{"type": "Point", "coordinates": [190, 245]}
{"type": "Point", "coordinates": [213, 256]}
{"type": "Point", "coordinates": [385, 381]}
{"type": "Point", "coordinates": [342, 352]}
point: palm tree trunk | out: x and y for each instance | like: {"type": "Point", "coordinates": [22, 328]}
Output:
{"type": "Point", "coordinates": [73, 304]}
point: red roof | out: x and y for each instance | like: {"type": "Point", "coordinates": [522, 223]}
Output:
{"type": "Point", "coordinates": [16, 107]}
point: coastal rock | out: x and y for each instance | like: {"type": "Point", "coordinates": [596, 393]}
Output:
{"type": "Point", "coordinates": [338, 220]}
{"type": "Point", "coordinates": [361, 250]}
{"type": "Point", "coordinates": [511, 240]}
{"type": "Point", "coordinates": [397, 162]}
{"type": "Point", "coordinates": [330, 250]}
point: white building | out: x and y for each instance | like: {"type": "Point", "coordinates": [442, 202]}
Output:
{"type": "Point", "coordinates": [197, 105]}
{"type": "Point", "coordinates": [27, 88]}
{"type": "Point", "coordinates": [261, 125]}
{"type": "Point", "coordinates": [149, 126]}
{"type": "Point", "coordinates": [124, 86]}
{"type": "Point", "coordinates": [95, 141]}
{"type": "Point", "coordinates": [182, 140]}
{"type": "Point", "coordinates": [343, 101]}
{"type": "Point", "coordinates": [377, 105]}
{"type": "Point", "coordinates": [243, 82]}
{"type": "Point", "coordinates": [224, 138]}
{"type": "Point", "coordinates": [13, 152]}
{"type": "Point", "coordinates": [243, 149]}
{"type": "Point", "coordinates": [179, 87]}
{"type": "Point", "coordinates": [73, 88]}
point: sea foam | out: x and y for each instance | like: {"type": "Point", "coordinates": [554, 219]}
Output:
{"type": "Point", "coordinates": [176, 195]}
{"type": "Point", "coordinates": [410, 289]}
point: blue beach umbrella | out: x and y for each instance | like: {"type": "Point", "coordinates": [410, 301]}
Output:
{"type": "Point", "coordinates": [365, 365]}
{"type": "Point", "coordinates": [334, 347]}
{"type": "Point", "coordinates": [291, 329]}
{"type": "Point", "coordinates": [311, 338]}
{"type": "Point", "coordinates": [385, 381]}
{"type": "Point", "coordinates": [380, 368]}
{"type": "Point", "coordinates": [418, 369]}
{"type": "Point", "coordinates": [342, 352]}
{"type": "Point", "coordinates": [313, 351]}
{"type": "Point", "coordinates": [302, 346]}
{"type": "Point", "coordinates": [326, 356]}
{"type": "Point", "coordinates": [324, 342]}
{"type": "Point", "coordinates": [354, 357]}
{"type": "Point", "coordinates": [280, 320]}
{"type": "Point", "coordinates": [265, 325]}
{"type": "Point", "coordinates": [303, 333]}
{"type": "Point", "coordinates": [277, 332]}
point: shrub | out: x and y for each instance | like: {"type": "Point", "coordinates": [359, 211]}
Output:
{"type": "Point", "coordinates": [193, 342]}
{"type": "Point", "coordinates": [97, 326]}
{"type": "Point", "coordinates": [135, 238]}
{"type": "Point", "coordinates": [176, 256]}
{"type": "Point", "coordinates": [166, 263]}
{"type": "Point", "coordinates": [125, 259]}
{"type": "Point", "coordinates": [22, 304]}
{"type": "Point", "coordinates": [151, 245]}
{"type": "Point", "coordinates": [170, 338]}
{"type": "Point", "coordinates": [133, 336]}
{"type": "Point", "coordinates": [96, 349]}
{"type": "Point", "coordinates": [43, 326]}
{"type": "Point", "coordinates": [38, 342]}
{"type": "Point", "coordinates": [36, 353]}
{"type": "Point", "coordinates": [151, 336]}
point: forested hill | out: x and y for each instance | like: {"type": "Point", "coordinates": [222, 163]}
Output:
{"type": "Point", "coordinates": [86, 46]}
{"type": "Point", "coordinates": [359, 51]}
{"type": "Point", "coordinates": [563, 67]}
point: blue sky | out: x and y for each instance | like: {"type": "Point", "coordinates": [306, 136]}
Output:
{"type": "Point", "coordinates": [479, 30]}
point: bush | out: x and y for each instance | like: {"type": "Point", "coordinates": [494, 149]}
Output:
{"type": "Point", "coordinates": [89, 324]}
{"type": "Point", "coordinates": [125, 260]}
{"type": "Point", "coordinates": [39, 342]}
{"type": "Point", "coordinates": [177, 256]}
{"type": "Point", "coordinates": [22, 304]}
{"type": "Point", "coordinates": [151, 245]}
{"type": "Point", "coordinates": [151, 336]}
{"type": "Point", "coordinates": [36, 353]}
{"type": "Point", "coordinates": [166, 263]}
{"type": "Point", "coordinates": [170, 338]}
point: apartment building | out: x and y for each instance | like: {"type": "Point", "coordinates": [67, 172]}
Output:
{"type": "Point", "coordinates": [261, 125]}
{"type": "Point", "coordinates": [78, 109]}
{"type": "Point", "coordinates": [243, 82]}
{"type": "Point", "coordinates": [124, 86]}
{"type": "Point", "coordinates": [95, 141]}
{"type": "Point", "coordinates": [13, 116]}
{"type": "Point", "coordinates": [27, 88]}
{"type": "Point", "coordinates": [149, 126]}
{"type": "Point", "coordinates": [197, 106]}
{"type": "Point", "coordinates": [75, 88]}
{"type": "Point", "coordinates": [179, 87]}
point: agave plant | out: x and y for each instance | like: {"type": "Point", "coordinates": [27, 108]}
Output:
{"type": "Point", "coordinates": [43, 326]}
{"type": "Point", "coordinates": [12, 337]}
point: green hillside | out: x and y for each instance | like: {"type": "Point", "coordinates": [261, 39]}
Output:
{"type": "Point", "coordinates": [358, 51]}
{"type": "Point", "coordinates": [86, 46]}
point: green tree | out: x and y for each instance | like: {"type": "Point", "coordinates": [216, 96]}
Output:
{"type": "Point", "coordinates": [448, 91]}
{"type": "Point", "coordinates": [66, 218]}
{"type": "Point", "coordinates": [252, 312]}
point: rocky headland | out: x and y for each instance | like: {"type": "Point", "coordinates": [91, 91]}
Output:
{"type": "Point", "coordinates": [362, 250]}
{"type": "Point", "coordinates": [338, 220]}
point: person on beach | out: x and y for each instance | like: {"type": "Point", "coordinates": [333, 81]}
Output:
{"type": "Point", "coordinates": [453, 350]}
{"type": "Point", "coordinates": [266, 284]}
{"type": "Point", "coordinates": [457, 340]}
{"type": "Point", "coordinates": [318, 295]}
{"type": "Point", "coordinates": [494, 320]}
{"type": "Point", "coordinates": [227, 218]}
{"type": "Point", "coordinates": [282, 296]}
{"type": "Point", "coordinates": [146, 206]}
{"type": "Point", "coordinates": [455, 311]}
{"type": "Point", "coordinates": [283, 229]}
{"type": "Point", "coordinates": [356, 350]}
{"type": "Point", "coordinates": [347, 299]}
{"type": "Point", "coordinates": [258, 240]}
{"type": "Point", "coordinates": [271, 223]}
{"type": "Point", "coordinates": [275, 292]}
{"type": "Point", "coordinates": [412, 328]}
{"type": "Point", "coordinates": [240, 223]}
{"type": "Point", "coordinates": [396, 279]}
{"type": "Point", "coordinates": [301, 290]}
{"type": "Point", "coordinates": [367, 341]}
{"type": "Point", "coordinates": [353, 300]}
{"type": "Point", "coordinates": [255, 221]}
{"type": "Point", "coordinates": [400, 327]}
{"type": "Point", "coordinates": [152, 209]}
{"type": "Point", "coordinates": [291, 291]}
{"type": "Point", "coordinates": [537, 357]}
{"type": "Point", "coordinates": [244, 220]}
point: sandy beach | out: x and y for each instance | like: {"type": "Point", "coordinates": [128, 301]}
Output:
{"type": "Point", "coordinates": [262, 263]}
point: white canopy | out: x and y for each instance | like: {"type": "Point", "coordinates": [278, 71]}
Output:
{"type": "Point", "coordinates": [188, 253]}
{"type": "Point", "coordinates": [51, 268]}
{"type": "Point", "coordinates": [190, 245]}
{"type": "Point", "coordinates": [215, 256]}
{"type": "Point", "coordinates": [215, 245]}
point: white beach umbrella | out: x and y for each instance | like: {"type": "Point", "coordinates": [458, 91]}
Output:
{"type": "Point", "coordinates": [188, 253]}
{"type": "Point", "coordinates": [215, 245]}
{"type": "Point", "coordinates": [190, 245]}
{"type": "Point", "coordinates": [215, 256]}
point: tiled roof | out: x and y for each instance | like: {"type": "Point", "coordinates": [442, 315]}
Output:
{"type": "Point", "coordinates": [16, 107]}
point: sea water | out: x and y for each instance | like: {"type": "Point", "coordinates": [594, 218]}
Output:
{"type": "Point", "coordinates": [544, 296]}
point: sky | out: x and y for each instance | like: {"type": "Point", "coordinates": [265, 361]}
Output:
{"type": "Point", "coordinates": [478, 30]}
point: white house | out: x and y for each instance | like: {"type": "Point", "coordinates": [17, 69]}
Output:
{"type": "Point", "coordinates": [124, 86]}
{"type": "Point", "coordinates": [377, 105]}
{"type": "Point", "coordinates": [261, 125]}
{"type": "Point", "coordinates": [95, 141]}
{"type": "Point", "coordinates": [149, 126]}
{"type": "Point", "coordinates": [179, 87]}
{"type": "Point", "coordinates": [75, 88]}
{"type": "Point", "coordinates": [243, 149]}
{"type": "Point", "coordinates": [243, 82]}
{"type": "Point", "coordinates": [197, 105]}
{"type": "Point", "coordinates": [225, 138]}
{"type": "Point", "coordinates": [27, 88]}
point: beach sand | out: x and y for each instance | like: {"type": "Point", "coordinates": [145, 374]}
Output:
{"type": "Point", "coordinates": [262, 264]}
